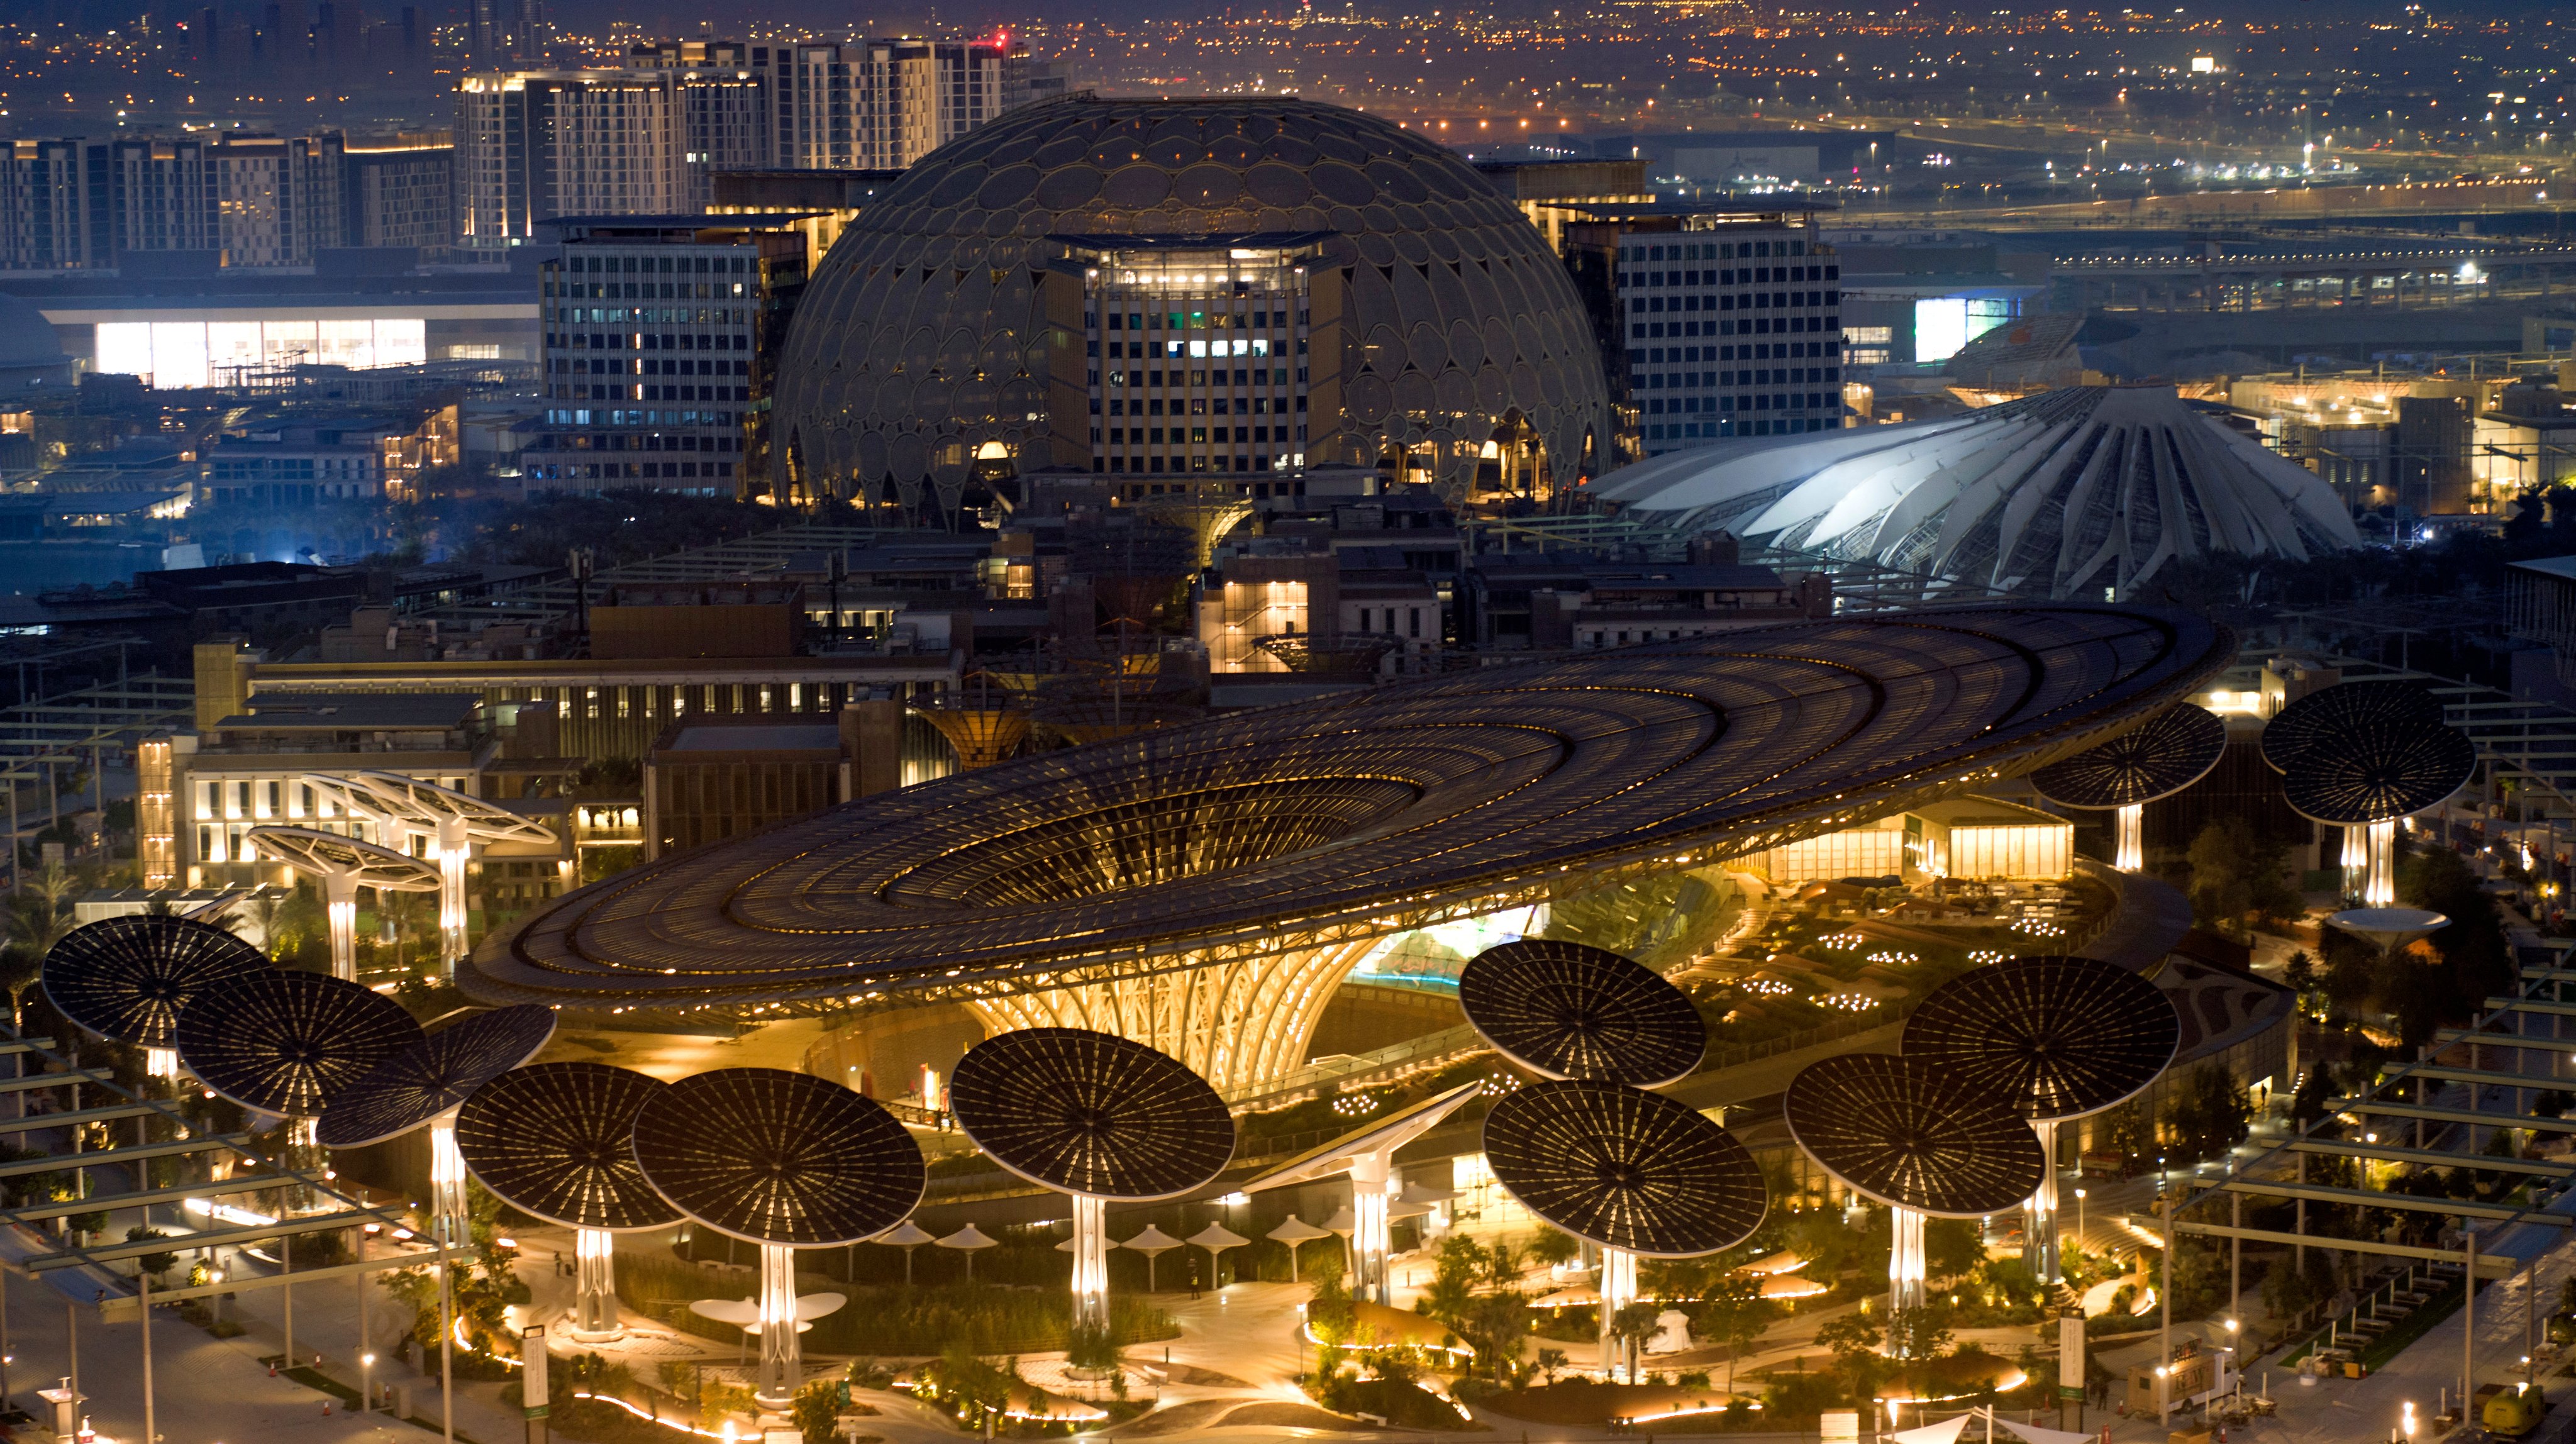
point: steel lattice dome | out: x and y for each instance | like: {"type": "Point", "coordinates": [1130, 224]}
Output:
{"type": "Point", "coordinates": [921, 342]}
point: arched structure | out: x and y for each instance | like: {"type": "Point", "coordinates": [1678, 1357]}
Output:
{"type": "Point", "coordinates": [451, 821]}
{"type": "Point", "coordinates": [345, 865]}
{"type": "Point", "coordinates": [1205, 887]}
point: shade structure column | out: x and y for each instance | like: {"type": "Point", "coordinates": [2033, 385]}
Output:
{"type": "Point", "coordinates": [1618, 1289]}
{"type": "Point", "coordinates": [2040, 1213]}
{"type": "Point", "coordinates": [340, 908]}
{"type": "Point", "coordinates": [2379, 886]}
{"type": "Point", "coordinates": [594, 1311]}
{"type": "Point", "coordinates": [1370, 1240]}
{"type": "Point", "coordinates": [1090, 1262]}
{"type": "Point", "coordinates": [782, 1362]}
{"type": "Point", "coordinates": [2130, 824]}
{"type": "Point", "coordinates": [2356, 860]}
{"type": "Point", "coordinates": [453, 852]}
{"type": "Point", "coordinates": [1905, 1260]}
{"type": "Point", "coordinates": [448, 1203]}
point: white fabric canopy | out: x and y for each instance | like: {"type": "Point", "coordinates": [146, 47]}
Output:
{"type": "Point", "coordinates": [1216, 1236]}
{"type": "Point", "coordinates": [1945, 1432]}
{"type": "Point", "coordinates": [1296, 1231]}
{"type": "Point", "coordinates": [2034, 1434]}
{"type": "Point", "coordinates": [969, 1237]}
{"type": "Point", "coordinates": [1152, 1240]}
{"type": "Point", "coordinates": [906, 1234]}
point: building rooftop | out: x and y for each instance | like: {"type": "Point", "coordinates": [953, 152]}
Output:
{"type": "Point", "coordinates": [757, 737]}
{"type": "Point", "coordinates": [358, 712]}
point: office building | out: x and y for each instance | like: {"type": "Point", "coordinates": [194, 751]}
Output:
{"type": "Point", "coordinates": [642, 389]}
{"type": "Point", "coordinates": [535, 145]}
{"type": "Point", "coordinates": [1714, 323]}
{"type": "Point", "coordinates": [277, 199]}
{"type": "Point", "coordinates": [401, 191]}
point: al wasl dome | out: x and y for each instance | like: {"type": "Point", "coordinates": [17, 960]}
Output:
{"type": "Point", "coordinates": [1180, 296]}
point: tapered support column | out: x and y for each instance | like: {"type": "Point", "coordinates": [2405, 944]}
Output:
{"type": "Point", "coordinates": [160, 1062]}
{"type": "Point", "coordinates": [2039, 1214]}
{"type": "Point", "coordinates": [2130, 823]}
{"type": "Point", "coordinates": [453, 850]}
{"type": "Point", "coordinates": [1618, 1290]}
{"type": "Point", "coordinates": [1090, 1262]}
{"type": "Point", "coordinates": [1905, 1261]}
{"type": "Point", "coordinates": [2356, 860]}
{"type": "Point", "coordinates": [1370, 1242]}
{"type": "Point", "coordinates": [447, 1197]}
{"type": "Point", "coordinates": [2379, 889]}
{"type": "Point", "coordinates": [340, 908]}
{"type": "Point", "coordinates": [594, 1309]}
{"type": "Point", "coordinates": [782, 1362]}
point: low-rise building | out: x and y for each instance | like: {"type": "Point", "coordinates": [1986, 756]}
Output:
{"type": "Point", "coordinates": [708, 781]}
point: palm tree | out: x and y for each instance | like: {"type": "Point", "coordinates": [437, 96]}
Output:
{"type": "Point", "coordinates": [1632, 1326]}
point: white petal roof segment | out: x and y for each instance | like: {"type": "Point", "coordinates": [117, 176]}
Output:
{"type": "Point", "coordinates": [2060, 492]}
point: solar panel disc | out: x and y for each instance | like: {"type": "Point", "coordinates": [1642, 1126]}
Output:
{"type": "Point", "coordinates": [435, 1074]}
{"type": "Point", "coordinates": [1564, 1010]}
{"type": "Point", "coordinates": [557, 1141]}
{"type": "Point", "coordinates": [1913, 1134]}
{"type": "Point", "coordinates": [2326, 716]}
{"type": "Point", "coordinates": [2057, 1037]}
{"type": "Point", "coordinates": [1625, 1168]}
{"type": "Point", "coordinates": [2379, 772]}
{"type": "Point", "coordinates": [127, 978]}
{"type": "Point", "coordinates": [770, 1156]}
{"type": "Point", "coordinates": [1091, 1113]}
{"type": "Point", "coordinates": [289, 1043]}
{"type": "Point", "coordinates": [2169, 752]}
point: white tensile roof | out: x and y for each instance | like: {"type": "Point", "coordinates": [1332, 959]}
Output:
{"type": "Point", "coordinates": [2059, 493]}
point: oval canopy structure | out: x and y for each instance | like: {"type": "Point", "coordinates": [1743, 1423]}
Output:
{"type": "Point", "coordinates": [775, 1157]}
{"type": "Point", "coordinates": [433, 1075]}
{"type": "Point", "coordinates": [2324, 718]}
{"type": "Point", "coordinates": [289, 1043]}
{"type": "Point", "coordinates": [1354, 816]}
{"type": "Point", "coordinates": [1914, 1135]}
{"type": "Point", "coordinates": [128, 978]}
{"type": "Point", "coordinates": [364, 864]}
{"type": "Point", "coordinates": [557, 1141]}
{"type": "Point", "coordinates": [1091, 1113]}
{"type": "Point", "coordinates": [2167, 753]}
{"type": "Point", "coordinates": [1625, 1168]}
{"type": "Point", "coordinates": [2055, 1037]}
{"type": "Point", "coordinates": [1565, 1010]}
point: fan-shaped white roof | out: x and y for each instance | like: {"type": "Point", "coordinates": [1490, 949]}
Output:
{"type": "Point", "coordinates": [2059, 493]}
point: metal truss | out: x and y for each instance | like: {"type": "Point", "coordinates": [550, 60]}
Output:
{"type": "Point", "coordinates": [338, 1210]}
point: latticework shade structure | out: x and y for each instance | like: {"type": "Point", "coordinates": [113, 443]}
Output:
{"type": "Point", "coordinates": [983, 721]}
{"type": "Point", "coordinates": [363, 864]}
{"type": "Point", "coordinates": [2060, 494]}
{"type": "Point", "coordinates": [1914, 1135]}
{"type": "Point", "coordinates": [2378, 771]}
{"type": "Point", "coordinates": [433, 1075]}
{"type": "Point", "coordinates": [2054, 1037]}
{"type": "Point", "coordinates": [128, 978]}
{"type": "Point", "coordinates": [1345, 654]}
{"type": "Point", "coordinates": [1625, 1168]}
{"type": "Point", "coordinates": [1564, 1010]}
{"type": "Point", "coordinates": [2325, 718]}
{"type": "Point", "coordinates": [1085, 720]}
{"type": "Point", "coordinates": [557, 1141]}
{"type": "Point", "coordinates": [1207, 514]}
{"type": "Point", "coordinates": [776, 1157]}
{"type": "Point", "coordinates": [1406, 805]}
{"type": "Point", "coordinates": [2167, 753]}
{"type": "Point", "coordinates": [1091, 1113]}
{"type": "Point", "coordinates": [289, 1043]}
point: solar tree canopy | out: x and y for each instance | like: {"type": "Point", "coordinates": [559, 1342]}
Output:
{"type": "Point", "coordinates": [1564, 1010]}
{"type": "Point", "coordinates": [2328, 715]}
{"type": "Point", "coordinates": [557, 1141]}
{"type": "Point", "coordinates": [128, 978]}
{"type": "Point", "coordinates": [2378, 772]}
{"type": "Point", "coordinates": [1091, 1113]}
{"type": "Point", "coordinates": [770, 1156]}
{"type": "Point", "coordinates": [433, 1075]}
{"type": "Point", "coordinates": [1625, 1168]}
{"type": "Point", "coordinates": [2056, 1037]}
{"type": "Point", "coordinates": [289, 1043]}
{"type": "Point", "coordinates": [1914, 1135]}
{"type": "Point", "coordinates": [2167, 753]}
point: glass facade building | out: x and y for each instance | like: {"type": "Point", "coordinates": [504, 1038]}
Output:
{"type": "Point", "coordinates": [1195, 353]}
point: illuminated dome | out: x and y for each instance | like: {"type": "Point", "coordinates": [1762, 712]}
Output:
{"type": "Point", "coordinates": [2064, 493]}
{"type": "Point", "coordinates": [921, 352]}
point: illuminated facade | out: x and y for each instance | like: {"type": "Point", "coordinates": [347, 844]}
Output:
{"type": "Point", "coordinates": [1205, 887]}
